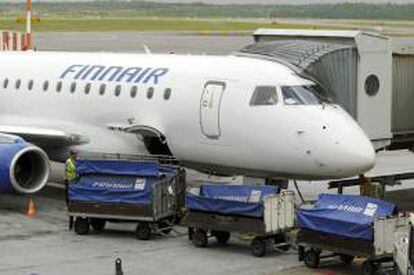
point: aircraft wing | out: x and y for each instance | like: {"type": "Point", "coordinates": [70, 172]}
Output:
{"type": "Point", "coordinates": [44, 136]}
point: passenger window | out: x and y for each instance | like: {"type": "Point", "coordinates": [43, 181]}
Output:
{"type": "Point", "coordinates": [134, 91]}
{"type": "Point", "coordinates": [264, 95]}
{"type": "Point", "coordinates": [102, 89]}
{"type": "Point", "coordinates": [73, 87]}
{"type": "Point", "coordinates": [45, 85]}
{"type": "Point", "coordinates": [18, 83]}
{"type": "Point", "coordinates": [30, 85]}
{"type": "Point", "coordinates": [5, 83]}
{"type": "Point", "coordinates": [59, 87]}
{"type": "Point", "coordinates": [150, 92]}
{"type": "Point", "coordinates": [118, 90]}
{"type": "Point", "coordinates": [88, 88]}
{"type": "Point", "coordinates": [167, 94]}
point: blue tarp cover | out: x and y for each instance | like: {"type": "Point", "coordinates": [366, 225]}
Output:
{"type": "Point", "coordinates": [345, 215]}
{"type": "Point", "coordinates": [230, 199]}
{"type": "Point", "coordinates": [116, 181]}
{"type": "Point", "coordinates": [117, 167]}
{"type": "Point", "coordinates": [112, 189]}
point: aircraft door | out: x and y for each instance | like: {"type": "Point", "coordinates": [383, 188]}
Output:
{"type": "Point", "coordinates": [210, 109]}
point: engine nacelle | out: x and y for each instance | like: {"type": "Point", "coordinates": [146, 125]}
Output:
{"type": "Point", "coordinates": [24, 168]}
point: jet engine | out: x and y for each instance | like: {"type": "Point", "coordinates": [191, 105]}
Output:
{"type": "Point", "coordinates": [24, 167]}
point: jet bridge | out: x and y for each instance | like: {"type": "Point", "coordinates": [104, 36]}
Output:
{"type": "Point", "coordinates": [355, 66]}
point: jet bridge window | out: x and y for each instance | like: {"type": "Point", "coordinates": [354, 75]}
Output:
{"type": "Point", "coordinates": [264, 95]}
{"type": "Point", "coordinates": [5, 83]}
{"type": "Point", "coordinates": [302, 95]}
{"type": "Point", "coordinates": [18, 83]}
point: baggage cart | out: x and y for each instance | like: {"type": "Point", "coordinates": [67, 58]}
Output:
{"type": "Point", "coordinates": [265, 218]}
{"type": "Point", "coordinates": [347, 226]}
{"type": "Point", "coordinates": [147, 193]}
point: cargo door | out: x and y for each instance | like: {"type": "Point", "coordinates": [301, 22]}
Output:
{"type": "Point", "coordinates": [210, 109]}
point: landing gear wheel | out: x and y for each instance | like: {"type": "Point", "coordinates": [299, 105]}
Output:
{"type": "Point", "coordinates": [143, 231]}
{"type": "Point", "coordinates": [81, 226]}
{"type": "Point", "coordinates": [222, 237]}
{"type": "Point", "coordinates": [346, 259]}
{"type": "Point", "coordinates": [312, 258]}
{"type": "Point", "coordinates": [200, 238]}
{"type": "Point", "coordinates": [258, 247]}
{"type": "Point", "coordinates": [369, 268]}
{"type": "Point", "coordinates": [97, 224]}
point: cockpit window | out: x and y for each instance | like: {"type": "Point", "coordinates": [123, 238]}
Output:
{"type": "Point", "coordinates": [303, 95]}
{"type": "Point", "coordinates": [264, 95]}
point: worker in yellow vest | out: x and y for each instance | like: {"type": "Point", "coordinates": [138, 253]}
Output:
{"type": "Point", "coordinates": [70, 168]}
{"type": "Point", "coordinates": [70, 175]}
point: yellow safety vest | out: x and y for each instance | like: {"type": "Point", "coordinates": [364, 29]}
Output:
{"type": "Point", "coordinates": [70, 173]}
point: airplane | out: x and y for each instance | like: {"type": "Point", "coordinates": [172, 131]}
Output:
{"type": "Point", "coordinates": [216, 114]}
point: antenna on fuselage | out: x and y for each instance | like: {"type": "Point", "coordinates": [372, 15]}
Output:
{"type": "Point", "coordinates": [147, 49]}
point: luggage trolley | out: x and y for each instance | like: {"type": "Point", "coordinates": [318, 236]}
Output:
{"type": "Point", "coordinates": [126, 191]}
{"type": "Point", "coordinates": [219, 210]}
{"type": "Point", "coordinates": [348, 226]}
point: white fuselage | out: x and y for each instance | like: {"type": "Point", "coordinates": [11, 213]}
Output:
{"type": "Point", "coordinates": [216, 129]}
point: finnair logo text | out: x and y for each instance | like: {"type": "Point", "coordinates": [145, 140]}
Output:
{"type": "Point", "coordinates": [114, 73]}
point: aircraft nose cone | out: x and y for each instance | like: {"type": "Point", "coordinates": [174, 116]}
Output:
{"type": "Point", "coordinates": [359, 154]}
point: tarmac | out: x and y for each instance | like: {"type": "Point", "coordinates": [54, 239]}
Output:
{"type": "Point", "coordinates": [44, 245]}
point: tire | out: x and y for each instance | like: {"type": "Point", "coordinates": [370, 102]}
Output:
{"type": "Point", "coordinates": [312, 258]}
{"type": "Point", "coordinates": [346, 259]}
{"type": "Point", "coordinates": [143, 231]}
{"type": "Point", "coordinates": [81, 226]}
{"type": "Point", "coordinates": [222, 237]}
{"type": "Point", "coordinates": [200, 238]}
{"type": "Point", "coordinates": [97, 224]}
{"type": "Point", "coordinates": [369, 268]}
{"type": "Point", "coordinates": [258, 247]}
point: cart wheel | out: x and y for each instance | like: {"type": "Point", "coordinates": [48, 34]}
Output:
{"type": "Point", "coordinates": [81, 226]}
{"type": "Point", "coordinates": [312, 258]}
{"type": "Point", "coordinates": [258, 247]}
{"type": "Point", "coordinates": [143, 231]}
{"type": "Point", "coordinates": [97, 224]}
{"type": "Point", "coordinates": [200, 238]}
{"type": "Point", "coordinates": [369, 268]}
{"type": "Point", "coordinates": [221, 236]}
{"type": "Point", "coordinates": [346, 259]}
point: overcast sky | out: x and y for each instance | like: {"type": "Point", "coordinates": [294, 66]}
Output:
{"type": "Point", "coordinates": [247, 1]}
